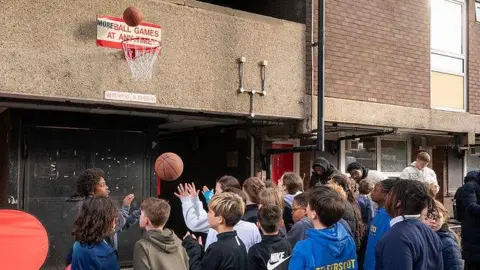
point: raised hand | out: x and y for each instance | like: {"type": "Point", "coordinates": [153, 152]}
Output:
{"type": "Point", "coordinates": [182, 191]}
{"type": "Point", "coordinates": [206, 189]}
{"type": "Point", "coordinates": [192, 190]}
{"type": "Point", "coordinates": [207, 193]}
{"type": "Point", "coordinates": [128, 199]}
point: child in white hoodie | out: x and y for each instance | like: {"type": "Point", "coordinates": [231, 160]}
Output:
{"type": "Point", "coordinates": [418, 170]}
{"type": "Point", "coordinates": [196, 218]}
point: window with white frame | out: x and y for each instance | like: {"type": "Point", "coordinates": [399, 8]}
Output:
{"type": "Point", "coordinates": [390, 156]}
{"type": "Point", "coordinates": [447, 58]}
{"type": "Point", "coordinates": [393, 155]}
{"type": "Point", "coordinates": [473, 162]}
{"type": "Point", "coordinates": [477, 10]}
{"type": "Point", "coordinates": [363, 151]}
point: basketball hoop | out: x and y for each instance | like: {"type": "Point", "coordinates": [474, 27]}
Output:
{"type": "Point", "coordinates": [141, 54]}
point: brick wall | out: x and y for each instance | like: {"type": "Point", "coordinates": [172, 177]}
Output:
{"type": "Point", "coordinates": [473, 61]}
{"type": "Point", "coordinates": [376, 50]}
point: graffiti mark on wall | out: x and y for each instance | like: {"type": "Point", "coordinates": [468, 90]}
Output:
{"type": "Point", "coordinates": [12, 200]}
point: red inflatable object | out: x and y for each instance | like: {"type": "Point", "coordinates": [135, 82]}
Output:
{"type": "Point", "coordinates": [23, 241]}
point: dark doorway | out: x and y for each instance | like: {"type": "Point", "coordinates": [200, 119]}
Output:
{"type": "Point", "coordinates": [55, 156]}
{"type": "Point", "coordinates": [50, 149]}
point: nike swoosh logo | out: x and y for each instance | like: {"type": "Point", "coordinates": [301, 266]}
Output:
{"type": "Point", "coordinates": [275, 265]}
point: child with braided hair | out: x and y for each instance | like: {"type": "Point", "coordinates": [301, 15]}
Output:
{"type": "Point", "coordinates": [380, 223]}
{"type": "Point", "coordinates": [409, 244]}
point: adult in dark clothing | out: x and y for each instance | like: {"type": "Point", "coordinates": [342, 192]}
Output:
{"type": "Point", "coordinates": [468, 209]}
{"type": "Point", "coordinates": [322, 172]}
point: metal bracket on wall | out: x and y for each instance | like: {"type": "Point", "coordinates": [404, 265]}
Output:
{"type": "Point", "coordinates": [252, 92]}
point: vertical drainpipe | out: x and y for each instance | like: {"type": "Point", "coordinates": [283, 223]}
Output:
{"type": "Point", "coordinates": [321, 76]}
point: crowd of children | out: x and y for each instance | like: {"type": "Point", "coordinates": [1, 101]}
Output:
{"type": "Point", "coordinates": [391, 224]}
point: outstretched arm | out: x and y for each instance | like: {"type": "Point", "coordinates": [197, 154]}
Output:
{"type": "Point", "coordinates": [195, 216]}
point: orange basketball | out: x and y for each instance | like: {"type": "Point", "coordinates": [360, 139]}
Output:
{"type": "Point", "coordinates": [132, 16]}
{"type": "Point", "coordinates": [169, 166]}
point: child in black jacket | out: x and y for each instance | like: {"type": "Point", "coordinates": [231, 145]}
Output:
{"type": "Point", "coordinates": [274, 251]}
{"type": "Point", "coordinates": [225, 210]}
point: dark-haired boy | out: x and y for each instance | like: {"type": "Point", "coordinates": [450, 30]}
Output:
{"type": "Point", "coordinates": [228, 252]}
{"type": "Point", "coordinates": [159, 247]}
{"type": "Point", "coordinates": [298, 231]}
{"type": "Point", "coordinates": [328, 245]}
{"type": "Point", "coordinates": [274, 251]}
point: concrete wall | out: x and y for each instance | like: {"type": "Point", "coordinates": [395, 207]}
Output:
{"type": "Point", "coordinates": [50, 53]}
{"type": "Point", "coordinates": [376, 114]}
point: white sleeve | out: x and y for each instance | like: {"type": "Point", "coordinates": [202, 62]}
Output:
{"type": "Point", "coordinates": [405, 174]}
{"type": "Point", "coordinates": [211, 238]}
{"type": "Point", "coordinates": [196, 218]}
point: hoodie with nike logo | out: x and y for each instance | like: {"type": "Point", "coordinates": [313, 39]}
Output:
{"type": "Point", "coordinates": [272, 253]}
{"type": "Point", "coordinates": [330, 248]}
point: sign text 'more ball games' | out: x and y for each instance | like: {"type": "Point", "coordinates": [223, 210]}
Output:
{"type": "Point", "coordinates": [112, 31]}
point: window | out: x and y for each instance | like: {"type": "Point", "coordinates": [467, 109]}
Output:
{"type": "Point", "coordinates": [389, 156]}
{"type": "Point", "coordinates": [477, 10]}
{"type": "Point", "coordinates": [447, 61]}
{"type": "Point", "coordinates": [393, 155]}
{"type": "Point", "coordinates": [363, 151]}
{"type": "Point", "coordinates": [473, 162]}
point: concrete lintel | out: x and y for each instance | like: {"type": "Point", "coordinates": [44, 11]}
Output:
{"type": "Point", "coordinates": [377, 114]}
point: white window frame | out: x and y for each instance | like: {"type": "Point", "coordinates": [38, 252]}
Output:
{"type": "Point", "coordinates": [453, 55]}
{"type": "Point", "coordinates": [477, 11]}
{"type": "Point", "coordinates": [379, 152]}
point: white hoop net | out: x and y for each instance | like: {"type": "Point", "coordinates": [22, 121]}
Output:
{"type": "Point", "coordinates": [141, 54]}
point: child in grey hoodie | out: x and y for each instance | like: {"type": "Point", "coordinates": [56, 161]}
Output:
{"type": "Point", "coordinates": [159, 247]}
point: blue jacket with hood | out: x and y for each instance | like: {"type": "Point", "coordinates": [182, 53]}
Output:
{"type": "Point", "coordinates": [100, 256]}
{"type": "Point", "coordinates": [330, 248]}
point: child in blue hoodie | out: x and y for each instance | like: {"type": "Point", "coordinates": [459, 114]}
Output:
{"type": "Point", "coordinates": [409, 244]}
{"type": "Point", "coordinates": [328, 245]}
{"type": "Point", "coordinates": [380, 223]}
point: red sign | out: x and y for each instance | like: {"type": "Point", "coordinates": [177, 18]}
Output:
{"type": "Point", "coordinates": [112, 31]}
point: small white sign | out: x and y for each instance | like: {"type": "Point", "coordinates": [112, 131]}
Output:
{"type": "Point", "coordinates": [135, 97]}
